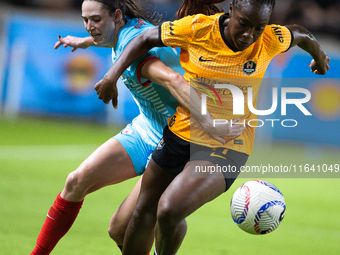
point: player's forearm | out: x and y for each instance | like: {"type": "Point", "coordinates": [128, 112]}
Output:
{"type": "Point", "coordinates": [156, 71]}
{"type": "Point", "coordinates": [190, 100]}
{"type": "Point", "coordinates": [306, 41]}
{"type": "Point", "coordinates": [88, 42]}
{"type": "Point", "coordinates": [206, 121]}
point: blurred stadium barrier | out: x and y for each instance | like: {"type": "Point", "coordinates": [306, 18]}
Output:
{"type": "Point", "coordinates": [291, 70]}
{"type": "Point", "coordinates": [38, 80]}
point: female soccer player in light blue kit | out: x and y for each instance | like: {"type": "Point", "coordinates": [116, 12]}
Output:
{"type": "Point", "coordinates": [113, 24]}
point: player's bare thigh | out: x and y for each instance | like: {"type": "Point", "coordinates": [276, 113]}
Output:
{"type": "Point", "coordinates": [198, 190]}
{"type": "Point", "coordinates": [108, 164]}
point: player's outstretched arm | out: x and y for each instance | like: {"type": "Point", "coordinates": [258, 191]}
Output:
{"type": "Point", "coordinates": [74, 42]}
{"type": "Point", "coordinates": [137, 48]}
{"type": "Point", "coordinates": [306, 41]}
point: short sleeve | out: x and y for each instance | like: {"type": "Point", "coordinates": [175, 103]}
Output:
{"type": "Point", "coordinates": [178, 33]}
{"type": "Point", "coordinates": [277, 39]}
{"type": "Point", "coordinates": [167, 55]}
{"type": "Point", "coordinates": [133, 71]}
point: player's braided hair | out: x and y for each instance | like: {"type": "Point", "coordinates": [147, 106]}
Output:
{"type": "Point", "coordinates": [131, 9]}
{"type": "Point", "coordinates": [236, 3]}
{"type": "Point", "coordinates": [191, 7]}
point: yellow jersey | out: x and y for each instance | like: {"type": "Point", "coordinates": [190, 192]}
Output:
{"type": "Point", "coordinates": [207, 61]}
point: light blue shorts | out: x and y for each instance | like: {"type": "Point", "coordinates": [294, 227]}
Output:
{"type": "Point", "coordinates": [139, 141]}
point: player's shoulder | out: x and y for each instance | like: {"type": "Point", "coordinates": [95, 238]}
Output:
{"type": "Point", "coordinates": [277, 38]}
{"type": "Point", "coordinates": [202, 24]}
{"type": "Point", "coordinates": [275, 31]}
{"type": "Point", "coordinates": [202, 17]}
{"type": "Point", "coordinates": [132, 28]}
{"type": "Point", "coordinates": [204, 20]}
{"type": "Point", "coordinates": [197, 19]}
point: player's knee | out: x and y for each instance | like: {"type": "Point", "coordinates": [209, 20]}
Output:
{"type": "Point", "coordinates": [144, 216]}
{"type": "Point", "coordinates": [117, 229]}
{"type": "Point", "coordinates": [168, 216]}
{"type": "Point", "coordinates": [75, 183]}
{"type": "Point", "coordinates": [116, 234]}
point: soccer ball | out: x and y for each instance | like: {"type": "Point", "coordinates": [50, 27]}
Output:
{"type": "Point", "coordinates": [258, 207]}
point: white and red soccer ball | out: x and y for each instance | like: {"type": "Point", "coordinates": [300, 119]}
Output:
{"type": "Point", "coordinates": [258, 207]}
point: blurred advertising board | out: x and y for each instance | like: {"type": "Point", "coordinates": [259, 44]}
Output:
{"type": "Point", "coordinates": [40, 80]}
{"type": "Point", "coordinates": [292, 71]}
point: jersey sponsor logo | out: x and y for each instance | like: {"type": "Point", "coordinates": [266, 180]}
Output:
{"type": "Point", "coordinates": [216, 155]}
{"type": "Point", "coordinates": [240, 142]}
{"type": "Point", "coordinates": [278, 32]}
{"type": "Point", "coordinates": [160, 145]}
{"type": "Point", "coordinates": [249, 67]}
{"type": "Point", "coordinates": [209, 93]}
{"type": "Point", "coordinates": [204, 60]}
{"type": "Point", "coordinates": [172, 121]}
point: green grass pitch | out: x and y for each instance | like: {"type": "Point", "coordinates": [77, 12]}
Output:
{"type": "Point", "coordinates": [36, 156]}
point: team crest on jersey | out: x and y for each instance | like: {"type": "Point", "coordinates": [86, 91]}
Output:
{"type": "Point", "coordinates": [249, 67]}
{"type": "Point", "coordinates": [127, 131]}
{"type": "Point", "coordinates": [140, 23]}
{"type": "Point", "coordinates": [172, 121]}
{"type": "Point", "coordinates": [160, 145]}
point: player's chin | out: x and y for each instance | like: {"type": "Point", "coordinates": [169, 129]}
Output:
{"type": "Point", "coordinates": [97, 43]}
{"type": "Point", "coordinates": [241, 45]}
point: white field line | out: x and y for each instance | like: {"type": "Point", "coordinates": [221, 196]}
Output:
{"type": "Point", "coordinates": [46, 152]}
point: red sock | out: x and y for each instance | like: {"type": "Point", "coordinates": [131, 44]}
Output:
{"type": "Point", "coordinates": [59, 220]}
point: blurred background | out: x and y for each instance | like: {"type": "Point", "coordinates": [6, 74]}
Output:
{"type": "Point", "coordinates": [51, 120]}
{"type": "Point", "coordinates": [37, 80]}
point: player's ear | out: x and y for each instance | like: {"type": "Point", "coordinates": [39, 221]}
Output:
{"type": "Point", "coordinates": [231, 10]}
{"type": "Point", "coordinates": [118, 16]}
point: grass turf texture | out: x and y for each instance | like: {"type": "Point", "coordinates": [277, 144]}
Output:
{"type": "Point", "coordinates": [34, 163]}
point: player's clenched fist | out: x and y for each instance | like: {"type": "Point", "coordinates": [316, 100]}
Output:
{"type": "Point", "coordinates": [321, 66]}
{"type": "Point", "coordinates": [107, 90]}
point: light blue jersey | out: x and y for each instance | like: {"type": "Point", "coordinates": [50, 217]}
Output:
{"type": "Point", "coordinates": [156, 104]}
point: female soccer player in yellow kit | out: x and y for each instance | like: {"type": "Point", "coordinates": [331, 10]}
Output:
{"type": "Point", "coordinates": [236, 47]}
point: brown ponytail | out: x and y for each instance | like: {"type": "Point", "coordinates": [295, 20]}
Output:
{"type": "Point", "coordinates": [191, 7]}
{"type": "Point", "coordinates": [131, 9]}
